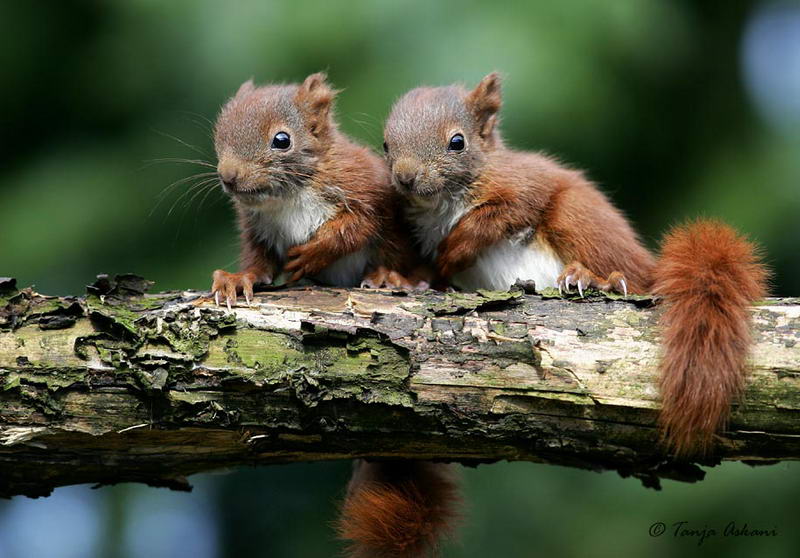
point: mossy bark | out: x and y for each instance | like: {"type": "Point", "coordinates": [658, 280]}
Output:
{"type": "Point", "coordinates": [119, 385]}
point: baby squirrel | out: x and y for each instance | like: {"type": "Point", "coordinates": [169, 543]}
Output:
{"type": "Point", "coordinates": [487, 215]}
{"type": "Point", "coordinates": [309, 201]}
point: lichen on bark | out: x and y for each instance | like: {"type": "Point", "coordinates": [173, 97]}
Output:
{"type": "Point", "coordinates": [121, 385]}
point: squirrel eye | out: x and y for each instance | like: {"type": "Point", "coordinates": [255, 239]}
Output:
{"type": "Point", "coordinates": [281, 141]}
{"type": "Point", "coordinates": [385, 147]}
{"type": "Point", "coordinates": [456, 143]}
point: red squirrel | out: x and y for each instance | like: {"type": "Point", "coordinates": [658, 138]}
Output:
{"type": "Point", "coordinates": [309, 201]}
{"type": "Point", "coordinates": [486, 215]}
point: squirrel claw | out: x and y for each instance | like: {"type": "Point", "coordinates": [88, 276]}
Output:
{"type": "Point", "coordinates": [228, 285]}
{"type": "Point", "coordinates": [576, 274]}
{"type": "Point", "coordinates": [384, 278]}
{"type": "Point", "coordinates": [566, 282]}
{"type": "Point", "coordinates": [616, 282]}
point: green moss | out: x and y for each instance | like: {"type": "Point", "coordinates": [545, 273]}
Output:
{"type": "Point", "coordinates": [46, 306]}
{"type": "Point", "coordinates": [191, 397]}
{"type": "Point", "coordinates": [764, 390]}
{"type": "Point", "coordinates": [593, 295]}
{"type": "Point", "coordinates": [12, 382]}
{"type": "Point", "coordinates": [115, 315]}
{"type": "Point", "coordinates": [258, 355]}
{"type": "Point", "coordinates": [52, 380]}
{"type": "Point", "coordinates": [368, 369]}
{"type": "Point", "coordinates": [464, 302]}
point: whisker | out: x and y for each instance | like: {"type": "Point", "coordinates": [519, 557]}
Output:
{"type": "Point", "coordinates": [198, 115]}
{"type": "Point", "coordinates": [178, 160]}
{"type": "Point", "coordinates": [202, 177]}
{"type": "Point", "coordinates": [369, 127]}
{"type": "Point", "coordinates": [203, 199]}
{"type": "Point", "coordinates": [200, 185]}
{"type": "Point", "coordinates": [186, 144]}
{"type": "Point", "coordinates": [199, 191]}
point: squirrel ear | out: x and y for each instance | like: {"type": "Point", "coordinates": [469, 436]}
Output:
{"type": "Point", "coordinates": [246, 87]}
{"type": "Point", "coordinates": [314, 98]}
{"type": "Point", "coordinates": [484, 101]}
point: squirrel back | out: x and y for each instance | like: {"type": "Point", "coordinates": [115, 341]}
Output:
{"type": "Point", "coordinates": [488, 214]}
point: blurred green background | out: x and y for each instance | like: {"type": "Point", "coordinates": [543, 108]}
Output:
{"type": "Point", "coordinates": [677, 108]}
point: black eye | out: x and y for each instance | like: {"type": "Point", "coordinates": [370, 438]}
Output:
{"type": "Point", "coordinates": [281, 141]}
{"type": "Point", "coordinates": [456, 143]}
{"type": "Point", "coordinates": [385, 148]}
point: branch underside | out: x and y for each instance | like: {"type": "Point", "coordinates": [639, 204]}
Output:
{"type": "Point", "coordinates": [123, 386]}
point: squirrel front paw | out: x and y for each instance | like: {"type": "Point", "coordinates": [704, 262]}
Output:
{"type": "Point", "coordinates": [454, 254]}
{"type": "Point", "coordinates": [576, 274]}
{"type": "Point", "coordinates": [385, 278]}
{"type": "Point", "coordinates": [228, 285]}
{"type": "Point", "coordinates": [306, 259]}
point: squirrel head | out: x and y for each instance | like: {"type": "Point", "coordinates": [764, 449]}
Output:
{"type": "Point", "coordinates": [437, 139]}
{"type": "Point", "coordinates": [269, 140]}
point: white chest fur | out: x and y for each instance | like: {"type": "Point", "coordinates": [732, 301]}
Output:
{"type": "Point", "coordinates": [433, 219]}
{"type": "Point", "coordinates": [281, 223]}
{"type": "Point", "coordinates": [519, 257]}
{"type": "Point", "coordinates": [524, 256]}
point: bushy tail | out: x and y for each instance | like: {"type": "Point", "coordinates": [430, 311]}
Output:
{"type": "Point", "coordinates": [398, 509]}
{"type": "Point", "coordinates": [708, 276]}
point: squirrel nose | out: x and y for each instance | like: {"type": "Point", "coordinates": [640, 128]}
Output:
{"type": "Point", "coordinates": [228, 176]}
{"type": "Point", "coordinates": [406, 179]}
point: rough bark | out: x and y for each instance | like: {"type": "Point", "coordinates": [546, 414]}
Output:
{"type": "Point", "coordinates": [119, 385]}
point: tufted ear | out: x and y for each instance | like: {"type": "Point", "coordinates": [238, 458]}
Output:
{"type": "Point", "coordinates": [246, 87]}
{"type": "Point", "coordinates": [314, 99]}
{"type": "Point", "coordinates": [484, 102]}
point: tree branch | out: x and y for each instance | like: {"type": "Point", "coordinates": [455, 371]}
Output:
{"type": "Point", "coordinates": [124, 386]}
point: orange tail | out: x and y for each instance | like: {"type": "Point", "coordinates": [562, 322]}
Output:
{"type": "Point", "coordinates": [708, 276]}
{"type": "Point", "coordinates": [398, 509]}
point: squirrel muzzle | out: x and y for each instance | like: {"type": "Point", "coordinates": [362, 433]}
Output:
{"type": "Point", "coordinates": [404, 175]}
{"type": "Point", "coordinates": [228, 174]}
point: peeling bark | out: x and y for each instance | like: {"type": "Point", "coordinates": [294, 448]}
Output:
{"type": "Point", "coordinates": [119, 385]}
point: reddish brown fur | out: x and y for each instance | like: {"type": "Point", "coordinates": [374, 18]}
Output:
{"type": "Point", "coordinates": [708, 276]}
{"type": "Point", "coordinates": [358, 184]}
{"type": "Point", "coordinates": [314, 98]}
{"type": "Point", "coordinates": [584, 226]}
{"type": "Point", "coordinates": [349, 177]}
{"type": "Point", "coordinates": [398, 509]}
{"type": "Point", "coordinates": [576, 274]}
{"type": "Point", "coordinates": [484, 103]}
{"type": "Point", "coordinates": [519, 190]}
{"type": "Point", "coordinates": [508, 190]}
{"type": "Point", "coordinates": [258, 265]}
